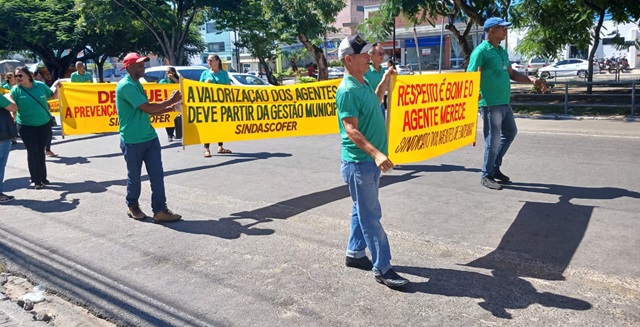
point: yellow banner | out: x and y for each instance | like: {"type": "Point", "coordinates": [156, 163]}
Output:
{"type": "Point", "coordinates": [89, 108]}
{"type": "Point", "coordinates": [430, 115]}
{"type": "Point", "coordinates": [221, 113]}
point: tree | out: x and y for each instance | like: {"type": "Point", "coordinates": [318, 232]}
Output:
{"type": "Point", "coordinates": [552, 24]}
{"type": "Point", "coordinates": [47, 28]}
{"type": "Point", "coordinates": [468, 12]}
{"type": "Point", "coordinates": [308, 21]}
{"type": "Point", "coordinates": [255, 32]}
{"type": "Point", "coordinates": [170, 21]}
{"type": "Point", "coordinates": [110, 33]}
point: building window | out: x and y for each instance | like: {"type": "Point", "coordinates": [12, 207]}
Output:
{"type": "Point", "coordinates": [215, 47]}
{"type": "Point", "coordinates": [210, 28]}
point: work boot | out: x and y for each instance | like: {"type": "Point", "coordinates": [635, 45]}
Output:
{"type": "Point", "coordinates": [501, 177]}
{"type": "Point", "coordinates": [391, 279]}
{"type": "Point", "coordinates": [135, 213]}
{"type": "Point", "coordinates": [166, 216]}
{"type": "Point", "coordinates": [491, 183]}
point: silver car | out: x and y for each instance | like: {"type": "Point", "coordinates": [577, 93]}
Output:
{"type": "Point", "coordinates": [567, 67]}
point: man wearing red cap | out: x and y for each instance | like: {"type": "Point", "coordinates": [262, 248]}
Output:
{"type": "Point", "coordinates": [139, 142]}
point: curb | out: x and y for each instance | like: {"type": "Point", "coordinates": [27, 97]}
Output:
{"type": "Point", "coordinates": [569, 117]}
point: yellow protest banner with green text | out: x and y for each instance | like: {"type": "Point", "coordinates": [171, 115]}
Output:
{"type": "Point", "coordinates": [88, 108]}
{"type": "Point", "coordinates": [430, 115]}
{"type": "Point", "coordinates": [221, 113]}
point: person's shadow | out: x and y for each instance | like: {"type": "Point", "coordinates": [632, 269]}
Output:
{"type": "Point", "coordinates": [500, 291]}
{"type": "Point", "coordinates": [227, 228]}
{"type": "Point", "coordinates": [544, 237]}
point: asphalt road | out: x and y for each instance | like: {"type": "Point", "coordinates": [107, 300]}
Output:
{"type": "Point", "coordinates": [264, 231]}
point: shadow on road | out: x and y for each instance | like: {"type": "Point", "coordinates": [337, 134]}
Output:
{"type": "Point", "coordinates": [544, 237]}
{"type": "Point", "coordinates": [294, 206]}
{"type": "Point", "coordinates": [500, 292]}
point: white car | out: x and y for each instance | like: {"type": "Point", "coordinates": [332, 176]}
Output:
{"type": "Point", "coordinates": [335, 73]}
{"type": "Point", "coordinates": [515, 65]}
{"type": "Point", "coordinates": [567, 67]}
{"type": "Point", "coordinates": [243, 79]}
{"type": "Point", "coordinates": [403, 70]}
{"type": "Point", "coordinates": [534, 64]}
{"type": "Point", "coordinates": [156, 73]}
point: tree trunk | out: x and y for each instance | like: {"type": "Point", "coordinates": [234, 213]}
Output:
{"type": "Point", "coordinates": [318, 55]}
{"type": "Point", "coordinates": [592, 53]}
{"type": "Point", "coordinates": [462, 40]}
{"type": "Point", "coordinates": [267, 70]}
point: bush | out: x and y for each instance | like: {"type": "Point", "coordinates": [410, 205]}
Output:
{"type": "Point", "coordinates": [305, 79]}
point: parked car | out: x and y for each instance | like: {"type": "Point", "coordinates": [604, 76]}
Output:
{"type": "Point", "coordinates": [568, 67]}
{"type": "Point", "coordinates": [156, 73]}
{"type": "Point", "coordinates": [515, 65]}
{"type": "Point", "coordinates": [536, 63]}
{"type": "Point", "coordinates": [335, 73]}
{"type": "Point", "coordinates": [242, 79]}
{"type": "Point", "coordinates": [403, 70]}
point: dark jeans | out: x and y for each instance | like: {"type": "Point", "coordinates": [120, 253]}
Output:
{"type": "Point", "coordinates": [35, 139]}
{"type": "Point", "coordinates": [148, 153]}
{"type": "Point", "coordinates": [49, 139]}
{"type": "Point", "coordinates": [170, 131]}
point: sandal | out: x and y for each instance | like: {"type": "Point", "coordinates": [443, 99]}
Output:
{"type": "Point", "coordinates": [51, 154]}
{"type": "Point", "coordinates": [207, 153]}
{"type": "Point", "coordinates": [224, 151]}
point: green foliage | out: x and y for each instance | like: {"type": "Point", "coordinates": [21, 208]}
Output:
{"type": "Point", "coordinates": [335, 63]}
{"type": "Point", "coordinates": [47, 28]}
{"type": "Point", "coordinates": [170, 21]}
{"type": "Point", "coordinates": [305, 79]}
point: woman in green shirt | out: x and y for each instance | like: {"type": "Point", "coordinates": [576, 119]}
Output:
{"type": "Point", "coordinates": [171, 78]}
{"type": "Point", "coordinates": [34, 121]}
{"type": "Point", "coordinates": [215, 74]}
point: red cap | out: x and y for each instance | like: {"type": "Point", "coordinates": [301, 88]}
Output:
{"type": "Point", "coordinates": [132, 58]}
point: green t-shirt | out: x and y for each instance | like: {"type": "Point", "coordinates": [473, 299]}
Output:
{"type": "Point", "coordinates": [6, 85]}
{"type": "Point", "coordinates": [4, 102]}
{"type": "Point", "coordinates": [373, 77]}
{"type": "Point", "coordinates": [495, 84]}
{"type": "Point", "coordinates": [86, 78]}
{"type": "Point", "coordinates": [355, 99]}
{"type": "Point", "coordinates": [135, 124]}
{"type": "Point", "coordinates": [32, 112]}
{"type": "Point", "coordinates": [166, 80]}
{"type": "Point", "coordinates": [221, 77]}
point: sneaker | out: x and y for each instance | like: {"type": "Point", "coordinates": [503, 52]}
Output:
{"type": "Point", "coordinates": [6, 198]}
{"type": "Point", "coordinates": [38, 186]}
{"type": "Point", "coordinates": [490, 183]}
{"type": "Point", "coordinates": [136, 213]}
{"type": "Point", "coordinates": [501, 177]}
{"type": "Point", "coordinates": [166, 216]}
{"type": "Point", "coordinates": [391, 279]}
{"type": "Point", "coordinates": [170, 138]}
{"type": "Point", "coordinates": [360, 263]}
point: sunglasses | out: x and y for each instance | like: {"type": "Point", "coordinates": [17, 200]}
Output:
{"type": "Point", "coordinates": [212, 59]}
{"type": "Point", "coordinates": [19, 75]}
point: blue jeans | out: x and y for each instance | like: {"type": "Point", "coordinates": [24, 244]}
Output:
{"type": "Point", "coordinates": [366, 231]}
{"type": "Point", "coordinates": [5, 148]}
{"type": "Point", "coordinates": [499, 128]}
{"type": "Point", "coordinates": [149, 153]}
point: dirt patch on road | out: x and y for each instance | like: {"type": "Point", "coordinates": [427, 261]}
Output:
{"type": "Point", "coordinates": [52, 308]}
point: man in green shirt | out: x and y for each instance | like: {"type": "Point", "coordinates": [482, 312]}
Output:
{"type": "Point", "coordinates": [138, 139]}
{"type": "Point", "coordinates": [374, 75]}
{"type": "Point", "coordinates": [81, 75]}
{"type": "Point", "coordinates": [364, 156]}
{"type": "Point", "coordinates": [499, 125]}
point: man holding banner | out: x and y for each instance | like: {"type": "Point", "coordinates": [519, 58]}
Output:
{"type": "Point", "coordinates": [492, 61]}
{"type": "Point", "coordinates": [139, 142]}
{"type": "Point", "coordinates": [364, 156]}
